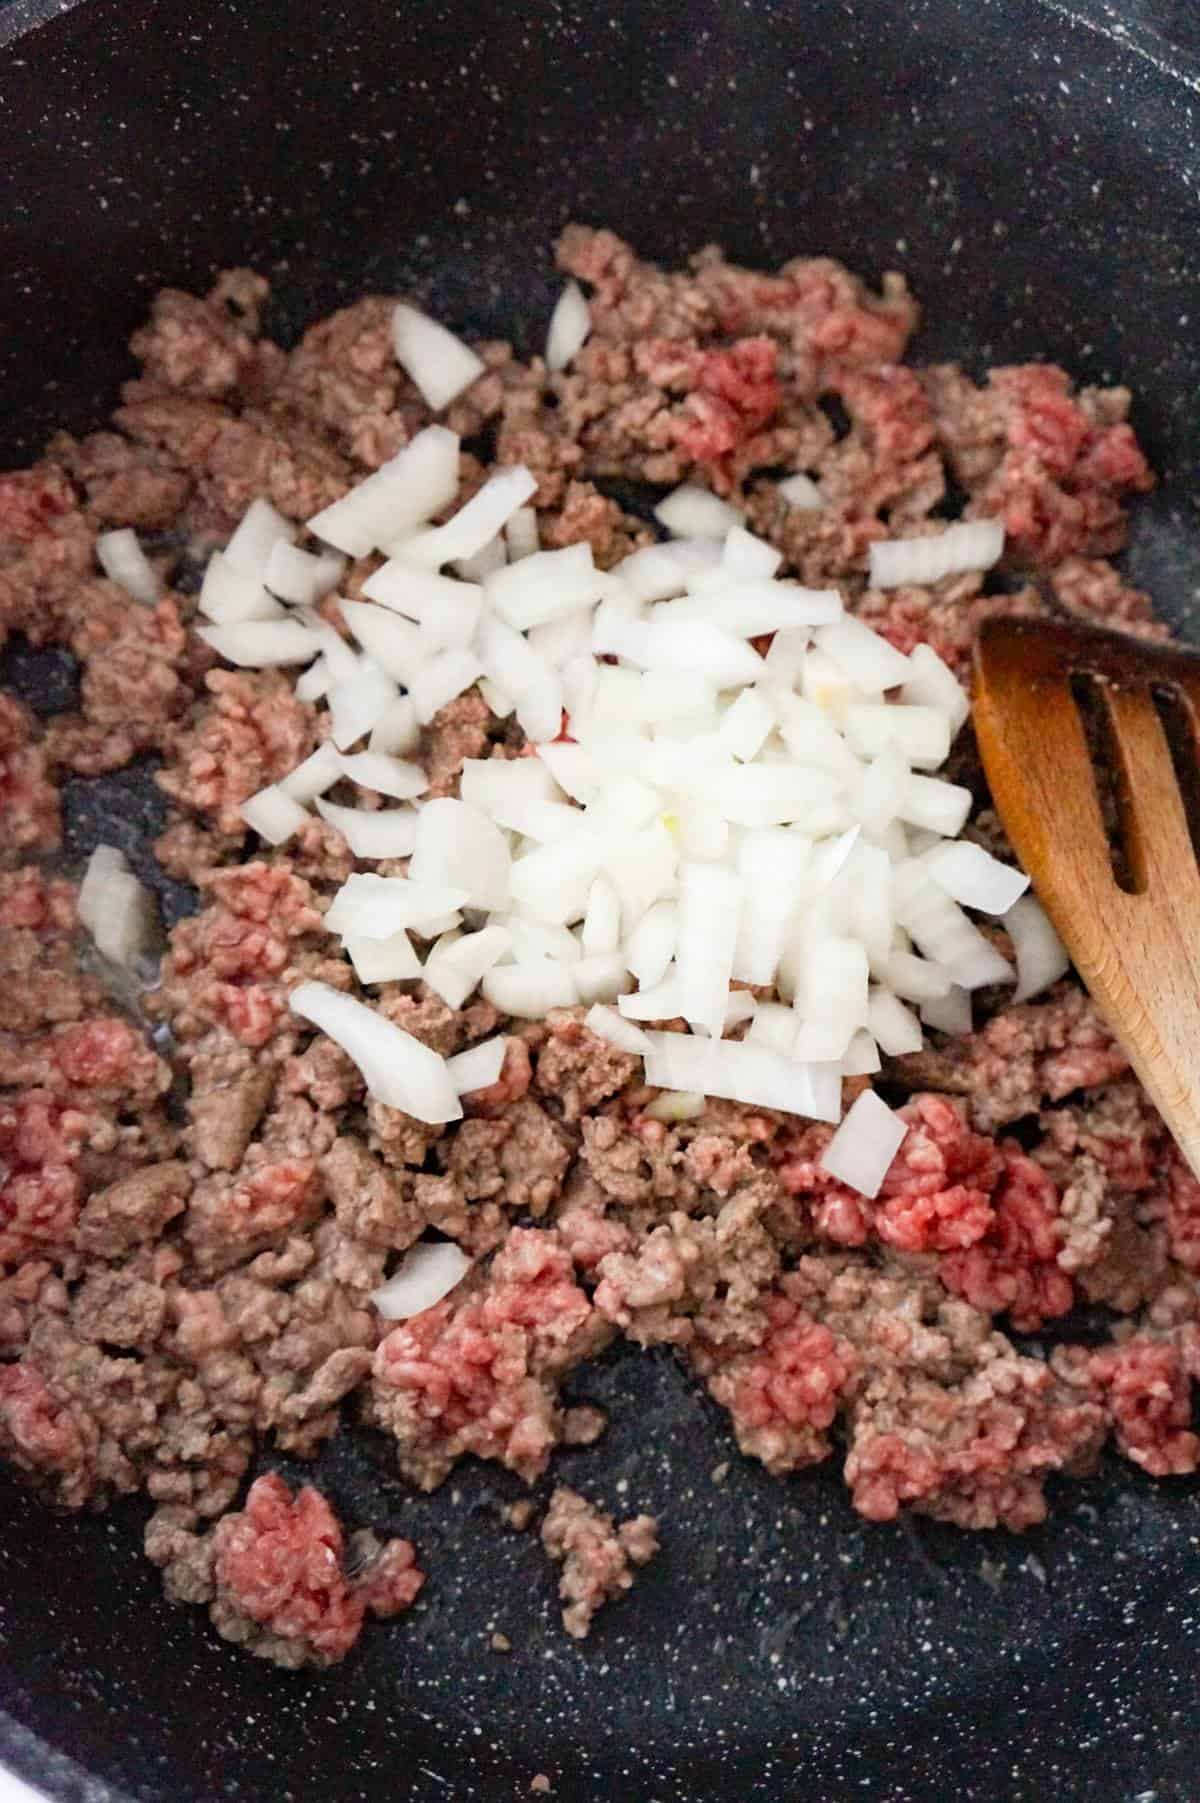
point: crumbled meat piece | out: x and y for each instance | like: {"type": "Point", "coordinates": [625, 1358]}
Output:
{"type": "Point", "coordinates": [369, 1200]}
{"type": "Point", "coordinates": [595, 1554]}
{"type": "Point", "coordinates": [252, 732]}
{"type": "Point", "coordinates": [578, 1069]}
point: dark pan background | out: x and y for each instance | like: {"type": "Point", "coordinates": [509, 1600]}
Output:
{"type": "Point", "coordinates": [1033, 168]}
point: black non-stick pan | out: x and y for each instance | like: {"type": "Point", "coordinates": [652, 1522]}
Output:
{"type": "Point", "coordinates": [1033, 167]}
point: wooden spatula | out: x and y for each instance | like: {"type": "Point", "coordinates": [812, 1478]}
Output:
{"type": "Point", "coordinates": [1089, 741]}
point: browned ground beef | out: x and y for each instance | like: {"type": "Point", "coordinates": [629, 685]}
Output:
{"type": "Point", "coordinates": [179, 1285]}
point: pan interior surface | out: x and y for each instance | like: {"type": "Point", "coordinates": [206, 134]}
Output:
{"type": "Point", "coordinates": [1032, 169]}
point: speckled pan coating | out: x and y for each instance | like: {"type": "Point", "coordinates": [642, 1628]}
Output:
{"type": "Point", "coordinates": [1034, 169]}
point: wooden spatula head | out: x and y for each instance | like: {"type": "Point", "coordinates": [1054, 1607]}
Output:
{"type": "Point", "coordinates": [1090, 746]}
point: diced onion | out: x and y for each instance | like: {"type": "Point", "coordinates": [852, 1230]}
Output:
{"type": "Point", "coordinates": [529, 991]}
{"type": "Point", "coordinates": [693, 512]}
{"type": "Point", "coordinates": [385, 775]}
{"type": "Point", "coordinates": [116, 909]}
{"type": "Point", "coordinates": [974, 878]}
{"type": "Point", "coordinates": [274, 814]}
{"type": "Point", "coordinates": [479, 1067]}
{"type": "Point", "coordinates": [570, 324]}
{"type": "Point", "coordinates": [741, 1071]}
{"type": "Point", "coordinates": [317, 773]}
{"type": "Point", "coordinates": [255, 537]}
{"type": "Point", "coordinates": [447, 609]}
{"type": "Point", "coordinates": [391, 642]}
{"type": "Point", "coordinates": [124, 562]}
{"type": "Point", "coordinates": [359, 703]}
{"type": "Point", "coordinates": [229, 595]}
{"type": "Point", "coordinates": [426, 1275]}
{"type": "Point", "coordinates": [262, 644]}
{"type": "Point", "coordinates": [474, 525]}
{"type": "Point", "coordinates": [861, 1151]}
{"type": "Point", "coordinates": [894, 1027]}
{"type": "Point", "coordinates": [801, 491]}
{"type": "Point", "coordinates": [440, 364]}
{"type": "Point", "coordinates": [299, 576]}
{"type": "Point", "coordinates": [373, 832]}
{"type": "Point", "coordinates": [455, 965]}
{"type": "Point", "coordinates": [442, 680]}
{"type": "Point", "coordinates": [373, 907]}
{"type": "Point", "coordinates": [932, 683]}
{"type": "Point", "coordinates": [397, 729]}
{"type": "Point", "coordinates": [409, 489]}
{"type": "Point", "coordinates": [458, 845]}
{"type": "Point", "coordinates": [397, 1069]}
{"type": "Point", "coordinates": [671, 1105]}
{"type": "Point", "coordinates": [521, 534]}
{"type": "Point", "coordinates": [545, 585]}
{"type": "Point", "coordinates": [607, 1024]}
{"type": "Point", "coordinates": [920, 562]}
{"type": "Point", "coordinates": [390, 960]}
{"type": "Point", "coordinates": [864, 657]}
{"type": "Point", "coordinates": [950, 1013]}
{"type": "Point", "coordinates": [1041, 956]}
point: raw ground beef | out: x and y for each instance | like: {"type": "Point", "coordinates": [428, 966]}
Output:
{"type": "Point", "coordinates": [195, 1206]}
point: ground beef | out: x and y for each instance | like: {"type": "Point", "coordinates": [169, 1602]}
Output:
{"type": "Point", "coordinates": [197, 1197]}
{"type": "Point", "coordinates": [596, 1555]}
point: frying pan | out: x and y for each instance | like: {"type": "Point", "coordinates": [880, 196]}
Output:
{"type": "Point", "coordinates": [1032, 166]}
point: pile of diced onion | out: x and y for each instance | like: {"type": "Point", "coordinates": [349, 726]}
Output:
{"type": "Point", "coordinates": [696, 818]}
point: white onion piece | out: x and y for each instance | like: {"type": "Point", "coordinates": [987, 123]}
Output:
{"type": "Point", "coordinates": [529, 991]}
{"type": "Point", "coordinates": [409, 489]}
{"type": "Point", "coordinates": [521, 534]}
{"type": "Point", "coordinates": [693, 512]}
{"type": "Point", "coordinates": [455, 965]}
{"type": "Point", "coordinates": [447, 609]}
{"type": "Point", "coordinates": [741, 1071]}
{"type": "Point", "coordinates": [562, 640]}
{"type": "Point", "coordinates": [390, 960]}
{"type": "Point", "coordinates": [394, 644]}
{"type": "Point", "coordinates": [475, 524]}
{"type": "Point", "coordinates": [801, 491]}
{"type": "Point", "coordinates": [823, 682]}
{"type": "Point", "coordinates": [920, 562]}
{"type": "Point", "coordinates": [710, 910]}
{"type": "Point", "coordinates": [425, 1276]}
{"type": "Point", "coordinates": [315, 682]}
{"type": "Point", "coordinates": [750, 608]}
{"type": "Point", "coordinates": [545, 586]}
{"type": "Point", "coordinates": [895, 1028]}
{"type": "Point", "coordinates": [773, 866]}
{"type": "Point", "coordinates": [920, 734]}
{"type": "Point", "coordinates": [659, 1003]}
{"type": "Point", "coordinates": [865, 895]}
{"type": "Point", "coordinates": [274, 814]}
{"type": "Point", "coordinates": [656, 572]}
{"type": "Point", "coordinates": [831, 996]}
{"type": "Point", "coordinates": [671, 1105]}
{"type": "Point", "coordinates": [744, 555]}
{"type": "Point", "coordinates": [785, 656]}
{"type": "Point", "coordinates": [938, 806]}
{"type": "Point", "coordinates": [916, 979]}
{"type": "Point", "coordinates": [573, 769]}
{"type": "Point", "coordinates": [255, 537]}
{"type": "Point", "coordinates": [503, 788]}
{"type": "Point", "coordinates": [533, 939]}
{"type": "Point", "coordinates": [1041, 956]}
{"type": "Point", "coordinates": [491, 557]}
{"type": "Point", "coordinates": [758, 795]}
{"type": "Point", "coordinates": [943, 932]}
{"type": "Point", "coordinates": [299, 576]}
{"type": "Point", "coordinates": [861, 1057]}
{"type": "Point", "coordinates": [601, 978]}
{"type": "Point", "coordinates": [440, 364]}
{"type": "Point", "coordinates": [699, 646]}
{"type": "Point", "coordinates": [116, 909]}
{"type": "Point", "coordinates": [317, 773]}
{"type": "Point", "coordinates": [343, 660]}
{"type": "Point", "coordinates": [359, 703]}
{"type": "Point", "coordinates": [864, 657]}
{"type": "Point", "coordinates": [442, 679]}
{"type": "Point", "coordinates": [740, 1007]}
{"type": "Point", "coordinates": [124, 562]}
{"type": "Point", "coordinates": [262, 644]}
{"type": "Point", "coordinates": [537, 689]}
{"type": "Point", "coordinates": [602, 922]}
{"type": "Point", "coordinates": [570, 324]}
{"type": "Point", "coordinates": [933, 684]}
{"type": "Point", "coordinates": [746, 724]}
{"type": "Point", "coordinates": [774, 1025]}
{"type": "Point", "coordinates": [642, 868]}
{"type": "Point", "coordinates": [229, 595]}
{"type": "Point", "coordinates": [650, 945]}
{"type": "Point", "coordinates": [458, 845]}
{"type": "Point", "coordinates": [951, 1013]}
{"type": "Point", "coordinates": [373, 907]}
{"type": "Point", "coordinates": [373, 832]}
{"type": "Point", "coordinates": [607, 1024]}
{"type": "Point", "coordinates": [479, 1067]}
{"type": "Point", "coordinates": [397, 1069]}
{"type": "Point", "coordinates": [861, 1151]}
{"type": "Point", "coordinates": [396, 730]}
{"type": "Point", "coordinates": [880, 792]}
{"type": "Point", "coordinates": [553, 882]}
{"type": "Point", "coordinates": [386, 775]}
{"type": "Point", "coordinates": [811, 736]}
{"type": "Point", "coordinates": [973, 877]}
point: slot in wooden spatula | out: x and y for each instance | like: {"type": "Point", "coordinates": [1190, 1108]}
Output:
{"type": "Point", "coordinates": [1089, 741]}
